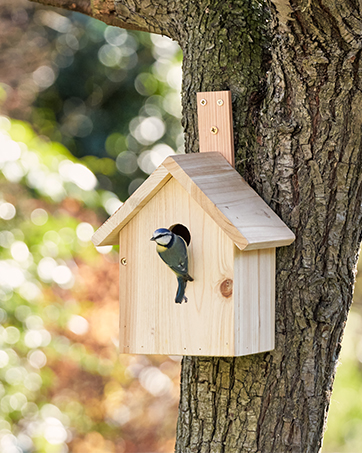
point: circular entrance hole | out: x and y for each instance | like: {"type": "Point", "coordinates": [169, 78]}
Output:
{"type": "Point", "coordinates": [182, 231]}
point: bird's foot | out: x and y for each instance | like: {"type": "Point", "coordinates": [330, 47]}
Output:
{"type": "Point", "coordinates": [180, 301]}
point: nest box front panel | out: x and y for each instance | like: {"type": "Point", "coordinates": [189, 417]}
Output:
{"type": "Point", "coordinates": [150, 320]}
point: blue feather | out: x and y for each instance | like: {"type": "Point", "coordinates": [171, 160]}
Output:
{"type": "Point", "coordinates": [180, 295]}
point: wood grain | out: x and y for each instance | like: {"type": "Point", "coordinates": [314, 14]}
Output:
{"type": "Point", "coordinates": [221, 192]}
{"type": "Point", "coordinates": [229, 200]}
{"type": "Point", "coordinates": [210, 114]}
{"type": "Point", "coordinates": [107, 234]}
{"type": "Point", "coordinates": [150, 321]}
{"type": "Point", "coordinates": [254, 275]}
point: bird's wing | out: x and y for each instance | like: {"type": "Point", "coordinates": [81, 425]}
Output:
{"type": "Point", "coordinates": [182, 264]}
{"type": "Point", "coordinates": [176, 257]}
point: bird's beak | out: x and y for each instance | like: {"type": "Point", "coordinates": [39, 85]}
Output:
{"type": "Point", "coordinates": [152, 239]}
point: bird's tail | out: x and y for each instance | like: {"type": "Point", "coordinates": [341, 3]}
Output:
{"type": "Point", "coordinates": [180, 295]}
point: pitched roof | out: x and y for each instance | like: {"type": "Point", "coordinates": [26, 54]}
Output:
{"type": "Point", "coordinates": [219, 189]}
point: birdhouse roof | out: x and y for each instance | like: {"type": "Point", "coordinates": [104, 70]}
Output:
{"type": "Point", "coordinates": [219, 189]}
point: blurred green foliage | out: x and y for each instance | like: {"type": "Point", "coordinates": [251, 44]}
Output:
{"type": "Point", "coordinates": [118, 107]}
{"type": "Point", "coordinates": [63, 387]}
{"type": "Point", "coordinates": [103, 117]}
{"type": "Point", "coordinates": [111, 96]}
{"type": "Point", "coordinates": [344, 426]}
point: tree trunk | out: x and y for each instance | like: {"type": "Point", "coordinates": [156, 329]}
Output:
{"type": "Point", "coordinates": [294, 72]}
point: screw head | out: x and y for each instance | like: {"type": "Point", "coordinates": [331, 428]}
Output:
{"type": "Point", "coordinates": [214, 130]}
{"type": "Point", "coordinates": [220, 102]}
{"type": "Point", "coordinates": [203, 102]}
{"type": "Point", "coordinates": [124, 261]}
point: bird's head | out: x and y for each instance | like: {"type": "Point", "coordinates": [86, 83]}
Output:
{"type": "Point", "coordinates": [162, 236]}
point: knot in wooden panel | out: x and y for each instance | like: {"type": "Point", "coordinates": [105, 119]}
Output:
{"type": "Point", "coordinates": [226, 288]}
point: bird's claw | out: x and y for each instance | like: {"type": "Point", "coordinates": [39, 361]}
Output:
{"type": "Point", "coordinates": [180, 301]}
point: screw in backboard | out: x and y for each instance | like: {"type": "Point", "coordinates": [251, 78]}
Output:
{"type": "Point", "coordinates": [203, 102]}
{"type": "Point", "coordinates": [214, 130]}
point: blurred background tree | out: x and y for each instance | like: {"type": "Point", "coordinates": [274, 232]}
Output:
{"type": "Point", "coordinates": [104, 108]}
{"type": "Point", "coordinates": [107, 94]}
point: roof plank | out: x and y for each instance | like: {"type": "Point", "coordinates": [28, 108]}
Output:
{"type": "Point", "coordinates": [219, 189]}
{"type": "Point", "coordinates": [231, 202]}
{"type": "Point", "coordinates": [107, 233]}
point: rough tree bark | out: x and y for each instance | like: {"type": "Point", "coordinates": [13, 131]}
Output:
{"type": "Point", "coordinates": [294, 71]}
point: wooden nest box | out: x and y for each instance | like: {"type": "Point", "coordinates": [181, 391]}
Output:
{"type": "Point", "coordinates": [232, 235]}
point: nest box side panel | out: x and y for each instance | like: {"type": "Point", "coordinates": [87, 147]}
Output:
{"type": "Point", "coordinates": [254, 301]}
{"type": "Point", "coordinates": [150, 320]}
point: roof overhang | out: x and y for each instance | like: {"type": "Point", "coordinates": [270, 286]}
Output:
{"type": "Point", "coordinates": [219, 189]}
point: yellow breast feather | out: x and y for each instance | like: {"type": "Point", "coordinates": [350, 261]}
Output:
{"type": "Point", "coordinates": [160, 248]}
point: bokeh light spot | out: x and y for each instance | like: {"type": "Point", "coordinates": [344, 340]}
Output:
{"type": "Point", "coordinates": [39, 216]}
{"type": "Point", "coordinates": [4, 359]}
{"type": "Point", "coordinates": [37, 359]}
{"type": "Point", "coordinates": [46, 267]}
{"type": "Point", "coordinates": [3, 315]}
{"type": "Point", "coordinates": [19, 251]}
{"type": "Point", "coordinates": [6, 238]}
{"type": "Point", "coordinates": [154, 381]}
{"type": "Point", "coordinates": [55, 21]}
{"type": "Point", "coordinates": [7, 211]}
{"type": "Point", "coordinates": [33, 339]}
{"type": "Point", "coordinates": [115, 36]}
{"type": "Point", "coordinates": [84, 231]}
{"type": "Point", "coordinates": [15, 375]}
{"type": "Point", "coordinates": [10, 275]}
{"type": "Point", "coordinates": [44, 77]}
{"type": "Point", "coordinates": [112, 204]}
{"type": "Point", "coordinates": [18, 401]}
{"type": "Point", "coordinates": [127, 162]}
{"type": "Point", "coordinates": [134, 185]}
{"type": "Point", "coordinates": [78, 125]}
{"type": "Point", "coordinates": [149, 130]}
{"type": "Point", "coordinates": [33, 382]}
{"type": "Point", "coordinates": [11, 335]}
{"type": "Point", "coordinates": [104, 249]}
{"type": "Point", "coordinates": [34, 322]}
{"type": "Point", "coordinates": [109, 55]}
{"type": "Point", "coordinates": [146, 84]}
{"type": "Point", "coordinates": [78, 325]}
{"type": "Point", "coordinates": [78, 174]}
{"type": "Point", "coordinates": [62, 275]}
{"type": "Point", "coordinates": [10, 150]}
{"type": "Point", "coordinates": [149, 160]}
{"type": "Point", "coordinates": [30, 291]}
{"type": "Point", "coordinates": [54, 431]}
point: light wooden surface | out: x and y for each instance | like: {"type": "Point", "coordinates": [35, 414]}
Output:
{"type": "Point", "coordinates": [254, 275]}
{"type": "Point", "coordinates": [230, 309]}
{"type": "Point", "coordinates": [150, 321]}
{"type": "Point", "coordinates": [107, 234]}
{"type": "Point", "coordinates": [229, 200]}
{"type": "Point", "coordinates": [221, 192]}
{"type": "Point", "coordinates": [210, 114]}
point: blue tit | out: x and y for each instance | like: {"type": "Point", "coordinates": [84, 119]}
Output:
{"type": "Point", "coordinates": [172, 249]}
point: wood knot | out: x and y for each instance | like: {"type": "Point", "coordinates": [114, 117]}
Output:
{"type": "Point", "coordinates": [226, 287]}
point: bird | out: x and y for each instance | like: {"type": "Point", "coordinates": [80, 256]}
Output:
{"type": "Point", "coordinates": [172, 249]}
